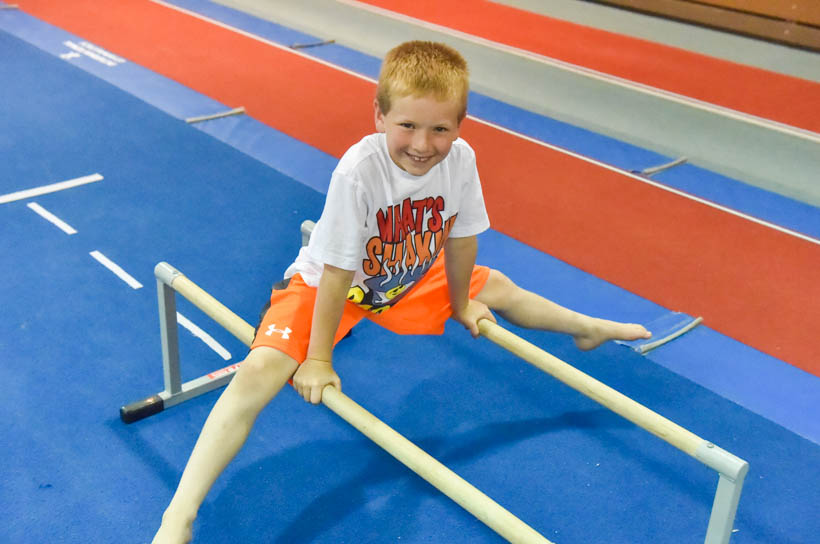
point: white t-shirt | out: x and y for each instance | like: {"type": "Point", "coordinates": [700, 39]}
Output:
{"type": "Point", "coordinates": [389, 226]}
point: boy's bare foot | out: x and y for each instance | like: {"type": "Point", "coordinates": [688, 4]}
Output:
{"type": "Point", "coordinates": [173, 532]}
{"type": "Point", "coordinates": [600, 330]}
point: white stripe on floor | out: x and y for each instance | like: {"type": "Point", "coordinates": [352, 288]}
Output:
{"type": "Point", "coordinates": [204, 336]}
{"type": "Point", "coordinates": [50, 217]}
{"type": "Point", "coordinates": [116, 269]}
{"type": "Point", "coordinates": [45, 189]}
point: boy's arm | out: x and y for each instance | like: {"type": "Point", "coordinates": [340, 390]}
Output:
{"type": "Point", "coordinates": [460, 256]}
{"type": "Point", "coordinates": [317, 369]}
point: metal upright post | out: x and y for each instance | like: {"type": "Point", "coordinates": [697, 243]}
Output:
{"type": "Point", "coordinates": [168, 328]}
{"type": "Point", "coordinates": [307, 229]}
{"type": "Point", "coordinates": [731, 471]}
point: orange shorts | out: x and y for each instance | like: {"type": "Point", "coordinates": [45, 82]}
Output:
{"type": "Point", "coordinates": [424, 310]}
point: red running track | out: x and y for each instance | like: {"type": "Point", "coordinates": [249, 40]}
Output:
{"type": "Point", "coordinates": [750, 282]}
{"type": "Point", "coordinates": [758, 92]}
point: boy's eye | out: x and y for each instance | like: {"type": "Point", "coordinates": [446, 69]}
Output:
{"type": "Point", "coordinates": [406, 125]}
{"type": "Point", "coordinates": [441, 129]}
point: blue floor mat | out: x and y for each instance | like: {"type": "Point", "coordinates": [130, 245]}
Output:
{"type": "Point", "coordinates": [78, 343]}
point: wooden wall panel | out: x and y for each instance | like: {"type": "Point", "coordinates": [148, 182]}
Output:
{"type": "Point", "coordinates": [799, 11]}
{"type": "Point", "coordinates": [741, 22]}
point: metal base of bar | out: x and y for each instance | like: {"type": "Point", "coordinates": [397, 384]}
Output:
{"type": "Point", "coordinates": [164, 399]}
{"type": "Point", "coordinates": [175, 391]}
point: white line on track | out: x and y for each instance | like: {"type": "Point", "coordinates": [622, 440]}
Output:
{"type": "Point", "coordinates": [116, 269]}
{"type": "Point", "coordinates": [50, 217]}
{"type": "Point", "coordinates": [517, 134]}
{"type": "Point", "coordinates": [659, 185]}
{"type": "Point", "coordinates": [204, 336]}
{"type": "Point", "coordinates": [45, 189]}
{"type": "Point", "coordinates": [260, 39]}
{"type": "Point", "coordinates": [593, 74]}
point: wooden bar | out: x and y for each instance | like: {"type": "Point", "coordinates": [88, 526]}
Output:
{"type": "Point", "coordinates": [442, 478]}
{"type": "Point", "coordinates": [619, 403]}
{"type": "Point", "coordinates": [439, 476]}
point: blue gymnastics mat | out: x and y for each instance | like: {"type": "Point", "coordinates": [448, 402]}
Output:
{"type": "Point", "coordinates": [78, 342]}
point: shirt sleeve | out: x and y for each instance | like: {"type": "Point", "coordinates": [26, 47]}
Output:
{"type": "Point", "coordinates": [472, 213]}
{"type": "Point", "coordinates": [339, 235]}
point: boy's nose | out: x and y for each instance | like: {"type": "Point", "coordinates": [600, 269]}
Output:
{"type": "Point", "coordinates": [421, 142]}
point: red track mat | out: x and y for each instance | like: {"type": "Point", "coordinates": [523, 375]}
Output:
{"type": "Point", "coordinates": [785, 99]}
{"type": "Point", "coordinates": [749, 282]}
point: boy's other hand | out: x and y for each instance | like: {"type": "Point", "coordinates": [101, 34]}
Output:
{"type": "Point", "coordinates": [470, 315]}
{"type": "Point", "coordinates": [312, 376]}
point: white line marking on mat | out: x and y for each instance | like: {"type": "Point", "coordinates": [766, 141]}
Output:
{"type": "Point", "coordinates": [53, 188]}
{"type": "Point", "coordinates": [260, 39]}
{"type": "Point", "coordinates": [50, 217]}
{"type": "Point", "coordinates": [116, 269]}
{"type": "Point", "coordinates": [655, 184]}
{"type": "Point", "coordinates": [204, 336]}
{"type": "Point", "coordinates": [531, 139]}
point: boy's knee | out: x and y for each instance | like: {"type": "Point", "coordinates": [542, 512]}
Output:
{"type": "Point", "coordinates": [498, 290]}
{"type": "Point", "coordinates": [265, 364]}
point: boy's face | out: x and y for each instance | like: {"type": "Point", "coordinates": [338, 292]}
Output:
{"type": "Point", "coordinates": [419, 130]}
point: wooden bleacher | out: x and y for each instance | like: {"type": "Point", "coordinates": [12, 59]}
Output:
{"type": "Point", "coordinates": [791, 22]}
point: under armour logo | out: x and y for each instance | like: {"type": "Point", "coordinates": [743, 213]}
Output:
{"type": "Point", "coordinates": [285, 333]}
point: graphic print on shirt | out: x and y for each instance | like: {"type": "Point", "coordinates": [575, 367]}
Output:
{"type": "Point", "coordinates": [411, 236]}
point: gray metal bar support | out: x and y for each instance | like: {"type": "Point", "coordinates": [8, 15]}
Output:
{"type": "Point", "coordinates": [168, 333]}
{"type": "Point", "coordinates": [307, 230]}
{"type": "Point", "coordinates": [732, 471]}
{"type": "Point", "coordinates": [724, 508]}
{"type": "Point", "coordinates": [200, 386]}
{"type": "Point", "coordinates": [175, 391]}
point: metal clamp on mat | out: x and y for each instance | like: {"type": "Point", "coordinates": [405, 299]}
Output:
{"type": "Point", "coordinates": [664, 329]}
{"type": "Point", "coordinates": [210, 117]}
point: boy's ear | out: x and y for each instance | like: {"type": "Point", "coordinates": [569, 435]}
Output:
{"type": "Point", "coordinates": [379, 116]}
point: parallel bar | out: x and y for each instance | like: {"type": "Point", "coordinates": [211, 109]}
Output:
{"type": "Point", "coordinates": [212, 307]}
{"type": "Point", "coordinates": [732, 469]}
{"type": "Point", "coordinates": [439, 476]}
{"type": "Point", "coordinates": [619, 403]}
{"type": "Point", "coordinates": [459, 490]}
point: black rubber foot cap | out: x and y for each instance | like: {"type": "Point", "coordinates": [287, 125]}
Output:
{"type": "Point", "coordinates": [142, 409]}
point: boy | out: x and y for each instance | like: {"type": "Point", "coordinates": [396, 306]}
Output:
{"type": "Point", "coordinates": [396, 200]}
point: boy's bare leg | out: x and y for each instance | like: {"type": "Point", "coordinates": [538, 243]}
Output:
{"type": "Point", "coordinates": [260, 377]}
{"type": "Point", "coordinates": [527, 309]}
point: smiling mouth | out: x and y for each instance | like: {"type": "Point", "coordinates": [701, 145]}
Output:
{"type": "Point", "coordinates": [416, 158]}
